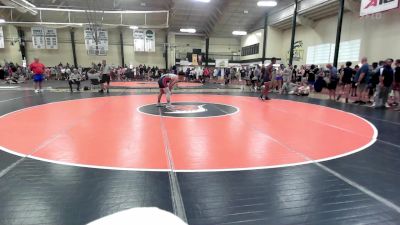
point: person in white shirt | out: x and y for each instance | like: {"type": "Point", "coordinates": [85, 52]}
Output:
{"type": "Point", "coordinates": [93, 75]}
{"type": "Point", "coordinates": [106, 77]}
{"type": "Point", "coordinates": [75, 78]}
{"type": "Point", "coordinates": [67, 73]}
{"type": "Point", "coordinates": [166, 83]}
{"type": "Point", "coordinates": [199, 73]}
{"type": "Point", "coordinates": [215, 75]}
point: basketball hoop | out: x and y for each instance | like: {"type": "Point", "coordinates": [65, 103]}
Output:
{"type": "Point", "coordinates": [95, 18]}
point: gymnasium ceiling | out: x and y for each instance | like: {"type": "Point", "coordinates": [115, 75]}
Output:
{"type": "Point", "coordinates": [217, 18]}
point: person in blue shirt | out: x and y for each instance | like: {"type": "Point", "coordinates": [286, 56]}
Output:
{"type": "Point", "coordinates": [362, 78]}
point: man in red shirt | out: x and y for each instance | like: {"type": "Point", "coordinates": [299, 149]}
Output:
{"type": "Point", "coordinates": [37, 69]}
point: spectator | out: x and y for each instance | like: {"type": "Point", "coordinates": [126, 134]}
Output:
{"type": "Point", "coordinates": [362, 78]}
{"type": "Point", "coordinates": [345, 81]}
{"type": "Point", "coordinates": [373, 81]}
{"type": "Point", "coordinates": [287, 74]}
{"type": "Point", "coordinates": [75, 78]}
{"type": "Point", "coordinates": [396, 84]}
{"type": "Point", "coordinates": [385, 83]}
{"type": "Point", "coordinates": [38, 69]}
{"type": "Point", "coordinates": [106, 76]}
{"type": "Point", "coordinates": [93, 75]}
{"type": "Point", "coordinates": [354, 82]}
{"type": "Point", "coordinates": [279, 78]}
{"type": "Point", "coordinates": [311, 76]}
{"type": "Point", "coordinates": [2, 73]}
{"type": "Point", "coordinates": [333, 79]}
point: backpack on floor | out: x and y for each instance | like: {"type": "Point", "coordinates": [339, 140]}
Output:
{"type": "Point", "coordinates": [319, 84]}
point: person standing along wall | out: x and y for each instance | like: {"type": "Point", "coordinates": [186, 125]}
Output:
{"type": "Point", "coordinates": [385, 84]}
{"type": "Point", "coordinates": [75, 78]}
{"type": "Point", "coordinates": [333, 80]}
{"type": "Point", "coordinates": [362, 78]}
{"type": "Point", "coordinates": [267, 75]}
{"type": "Point", "coordinates": [37, 69]}
{"type": "Point", "coordinates": [396, 85]}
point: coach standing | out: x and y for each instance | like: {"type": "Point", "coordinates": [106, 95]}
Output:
{"type": "Point", "coordinates": [37, 69]}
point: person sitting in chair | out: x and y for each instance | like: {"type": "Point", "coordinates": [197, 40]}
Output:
{"type": "Point", "coordinates": [93, 75]}
{"type": "Point", "coordinates": [75, 78]}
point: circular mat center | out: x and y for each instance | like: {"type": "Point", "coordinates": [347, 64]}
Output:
{"type": "Point", "coordinates": [189, 110]}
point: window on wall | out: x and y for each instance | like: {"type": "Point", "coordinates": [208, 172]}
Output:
{"type": "Point", "coordinates": [349, 51]}
{"type": "Point", "coordinates": [250, 50]}
{"type": "Point", "coordinates": [322, 54]}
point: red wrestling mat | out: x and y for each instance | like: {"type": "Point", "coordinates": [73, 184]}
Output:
{"type": "Point", "coordinates": [202, 132]}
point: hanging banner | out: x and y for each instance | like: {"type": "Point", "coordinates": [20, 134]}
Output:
{"type": "Point", "coordinates": [93, 48]}
{"type": "Point", "coordinates": [200, 60]}
{"type": "Point", "coordinates": [51, 38]}
{"type": "Point", "coordinates": [44, 38]}
{"type": "Point", "coordinates": [38, 40]}
{"type": "Point", "coordinates": [374, 6]}
{"type": "Point", "coordinates": [194, 60]}
{"type": "Point", "coordinates": [1, 38]}
{"type": "Point", "coordinates": [144, 40]}
{"type": "Point", "coordinates": [150, 43]}
{"type": "Point", "coordinates": [138, 40]}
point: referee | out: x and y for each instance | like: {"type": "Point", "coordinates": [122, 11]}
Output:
{"type": "Point", "coordinates": [105, 77]}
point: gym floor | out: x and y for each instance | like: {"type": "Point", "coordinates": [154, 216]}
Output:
{"type": "Point", "coordinates": [215, 158]}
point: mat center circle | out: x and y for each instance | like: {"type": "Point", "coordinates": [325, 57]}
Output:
{"type": "Point", "coordinates": [189, 110]}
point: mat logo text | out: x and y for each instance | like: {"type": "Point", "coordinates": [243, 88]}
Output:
{"type": "Point", "coordinates": [186, 109]}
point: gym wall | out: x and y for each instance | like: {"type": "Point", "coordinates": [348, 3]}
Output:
{"type": "Point", "coordinates": [64, 52]}
{"type": "Point", "coordinates": [274, 43]}
{"type": "Point", "coordinates": [218, 45]}
{"type": "Point", "coordinates": [379, 34]}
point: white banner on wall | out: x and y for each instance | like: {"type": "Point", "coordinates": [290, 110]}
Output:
{"type": "Point", "coordinates": [1, 38]}
{"type": "Point", "coordinates": [138, 40]}
{"type": "Point", "coordinates": [150, 45]}
{"type": "Point", "coordinates": [322, 54]}
{"type": "Point", "coordinates": [223, 63]}
{"type": "Point", "coordinates": [51, 38]}
{"type": "Point", "coordinates": [44, 38]}
{"type": "Point", "coordinates": [144, 40]}
{"type": "Point", "coordinates": [38, 38]}
{"type": "Point", "coordinates": [90, 43]}
{"type": "Point", "coordinates": [374, 6]}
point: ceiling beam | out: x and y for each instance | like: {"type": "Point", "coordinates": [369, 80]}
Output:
{"type": "Point", "coordinates": [215, 16]}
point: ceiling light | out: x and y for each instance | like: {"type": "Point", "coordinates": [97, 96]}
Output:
{"type": "Point", "coordinates": [134, 27]}
{"type": "Point", "coordinates": [188, 30]}
{"type": "Point", "coordinates": [203, 1]}
{"type": "Point", "coordinates": [240, 33]}
{"type": "Point", "coordinates": [2, 20]}
{"type": "Point", "coordinates": [266, 3]}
